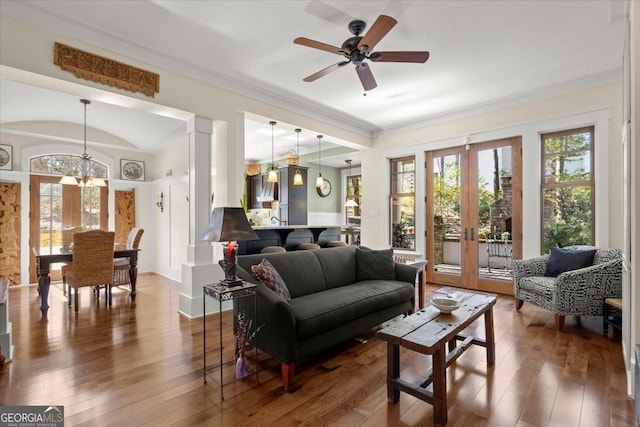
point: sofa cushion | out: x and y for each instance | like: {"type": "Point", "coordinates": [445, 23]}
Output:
{"type": "Point", "coordinates": [320, 312]}
{"type": "Point", "coordinates": [338, 265]}
{"type": "Point", "coordinates": [269, 276]}
{"type": "Point", "coordinates": [300, 270]}
{"type": "Point", "coordinates": [372, 265]}
{"type": "Point", "coordinates": [562, 260]}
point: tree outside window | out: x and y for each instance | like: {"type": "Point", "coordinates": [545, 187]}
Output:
{"type": "Point", "coordinates": [402, 203]}
{"type": "Point", "coordinates": [568, 188]}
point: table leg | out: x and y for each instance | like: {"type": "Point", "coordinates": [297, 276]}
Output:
{"type": "Point", "coordinates": [133, 274]}
{"type": "Point", "coordinates": [43, 288]}
{"type": "Point", "coordinates": [421, 288]}
{"type": "Point", "coordinates": [393, 371]}
{"type": "Point", "coordinates": [440, 386]}
{"type": "Point", "coordinates": [490, 341]}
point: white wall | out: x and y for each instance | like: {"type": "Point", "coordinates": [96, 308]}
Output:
{"type": "Point", "coordinates": [599, 106]}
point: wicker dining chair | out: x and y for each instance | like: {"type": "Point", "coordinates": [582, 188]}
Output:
{"type": "Point", "coordinates": [92, 263]}
{"type": "Point", "coordinates": [121, 265]}
{"type": "Point", "coordinates": [67, 246]}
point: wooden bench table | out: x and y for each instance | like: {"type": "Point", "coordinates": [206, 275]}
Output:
{"type": "Point", "coordinates": [428, 332]}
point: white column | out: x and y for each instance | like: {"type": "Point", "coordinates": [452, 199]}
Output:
{"type": "Point", "coordinates": [200, 268]}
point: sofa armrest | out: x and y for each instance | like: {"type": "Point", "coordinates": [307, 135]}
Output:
{"type": "Point", "coordinates": [598, 281]}
{"type": "Point", "coordinates": [406, 272]}
{"type": "Point", "coordinates": [278, 335]}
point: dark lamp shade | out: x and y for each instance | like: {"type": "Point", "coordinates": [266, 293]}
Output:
{"type": "Point", "coordinates": [229, 224]}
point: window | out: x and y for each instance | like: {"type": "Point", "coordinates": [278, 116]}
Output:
{"type": "Point", "coordinates": [402, 203]}
{"type": "Point", "coordinates": [567, 188]}
{"type": "Point", "coordinates": [354, 192]}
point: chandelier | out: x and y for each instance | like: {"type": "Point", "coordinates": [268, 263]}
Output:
{"type": "Point", "coordinates": [86, 179]}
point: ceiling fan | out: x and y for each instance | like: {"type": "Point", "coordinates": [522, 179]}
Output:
{"type": "Point", "coordinates": [358, 49]}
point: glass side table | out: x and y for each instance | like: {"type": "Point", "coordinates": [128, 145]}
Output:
{"type": "Point", "coordinates": [222, 293]}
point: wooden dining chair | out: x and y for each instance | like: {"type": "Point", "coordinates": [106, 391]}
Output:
{"type": "Point", "coordinates": [92, 263]}
{"type": "Point", "coordinates": [121, 265]}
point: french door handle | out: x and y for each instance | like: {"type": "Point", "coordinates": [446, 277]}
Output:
{"type": "Point", "coordinates": [472, 234]}
{"type": "Point", "coordinates": [465, 233]}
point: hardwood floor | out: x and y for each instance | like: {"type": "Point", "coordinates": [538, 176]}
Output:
{"type": "Point", "coordinates": [142, 365]}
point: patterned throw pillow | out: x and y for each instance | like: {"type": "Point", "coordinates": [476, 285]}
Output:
{"type": "Point", "coordinates": [269, 276]}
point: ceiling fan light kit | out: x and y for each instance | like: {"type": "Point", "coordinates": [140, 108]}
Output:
{"type": "Point", "coordinates": [358, 49]}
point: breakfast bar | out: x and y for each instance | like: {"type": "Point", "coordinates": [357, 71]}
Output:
{"type": "Point", "coordinates": [288, 237]}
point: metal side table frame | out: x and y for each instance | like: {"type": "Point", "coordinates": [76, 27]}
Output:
{"type": "Point", "coordinates": [221, 293]}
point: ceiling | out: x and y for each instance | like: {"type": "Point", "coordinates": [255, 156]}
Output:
{"type": "Point", "coordinates": [482, 54]}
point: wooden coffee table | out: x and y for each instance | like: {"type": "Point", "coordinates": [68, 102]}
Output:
{"type": "Point", "coordinates": [427, 332]}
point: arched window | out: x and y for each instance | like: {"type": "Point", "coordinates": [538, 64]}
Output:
{"type": "Point", "coordinates": [65, 164]}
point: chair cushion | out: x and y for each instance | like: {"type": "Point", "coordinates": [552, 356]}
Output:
{"type": "Point", "coordinates": [372, 265]}
{"type": "Point", "coordinates": [542, 287]}
{"type": "Point", "coordinates": [269, 276]}
{"type": "Point", "coordinates": [561, 260]}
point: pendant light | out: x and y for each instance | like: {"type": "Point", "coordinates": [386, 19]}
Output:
{"type": "Point", "coordinates": [273, 173]}
{"type": "Point", "coordinates": [297, 178]}
{"type": "Point", "coordinates": [350, 203]}
{"type": "Point", "coordinates": [319, 180]}
{"type": "Point", "coordinates": [86, 180]}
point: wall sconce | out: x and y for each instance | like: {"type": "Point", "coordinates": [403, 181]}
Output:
{"type": "Point", "coordinates": [160, 200]}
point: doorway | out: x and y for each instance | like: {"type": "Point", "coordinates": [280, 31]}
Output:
{"type": "Point", "coordinates": [60, 211]}
{"type": "Point", "coordinates": [474, 214]}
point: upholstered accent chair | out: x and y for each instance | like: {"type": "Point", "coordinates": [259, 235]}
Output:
{"type": "Point", "coordinates": [577, 292]}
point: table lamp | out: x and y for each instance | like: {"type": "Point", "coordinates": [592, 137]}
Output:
{"type": "Point", "coordinates": [229, 225]}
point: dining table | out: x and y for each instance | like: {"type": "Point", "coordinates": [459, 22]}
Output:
{"type": "Point", "coordinates": [44, 261]}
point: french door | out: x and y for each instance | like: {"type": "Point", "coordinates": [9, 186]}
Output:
{"type": "Point", "coordinates": [474, 214]}
{"type": "Point", "coordinates": [56, 210]}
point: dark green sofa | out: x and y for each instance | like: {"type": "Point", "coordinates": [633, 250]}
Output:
{"type": "Point", "coordinates": [328, 304]}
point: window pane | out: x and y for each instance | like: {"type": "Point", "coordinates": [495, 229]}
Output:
{"type": "Point", "coordinates": [402, 203]}
{"type": "Point", "coordinates": [567, 217]}
{"type": "Point", "coordinates": [402, 176]}
{"type": "Point", "coordinates": [567, 158]}
{"type": "Point", "coordinates": [50, 217]}
{"type": "Point", "coordinates": [402, 222]}
{"type": "Point", "coordinates": [91, 207]}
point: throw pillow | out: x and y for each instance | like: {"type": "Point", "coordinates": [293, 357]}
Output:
{"type": "Point", "coordinates": [372, 265]}
{"type": "Point", "coordinates": [269, 276]}
{"type": "Point", "coordinates": [561, 260]}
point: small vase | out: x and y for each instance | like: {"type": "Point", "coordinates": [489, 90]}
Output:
{"type": "Point", "coordinates": [242, 366]}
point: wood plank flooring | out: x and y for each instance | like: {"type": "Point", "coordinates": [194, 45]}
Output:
{"type": "Point", "coordinates": [142, 364]}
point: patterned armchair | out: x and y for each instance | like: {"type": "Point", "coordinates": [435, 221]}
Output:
{"type": "Point", "coordinates": [572, 293]}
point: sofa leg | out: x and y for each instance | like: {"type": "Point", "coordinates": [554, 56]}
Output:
{"type": "Point", "coordinates": [519, 304]}
{"type": "Point", "coordinates": [287, 374]}
{"type": "Point", "coordinates": [559, 322]}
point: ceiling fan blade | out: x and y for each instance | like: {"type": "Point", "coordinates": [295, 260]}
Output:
{"type": "Point", "coordinates": [324, 72]}
{"type": "Point", "coordinates": [317, 45]}
{"type": "Point", "coordinates": [378, 30]}
{"type": "Point", "coordinates": [399, 56]}
{"type": "Point", "coordinates": [366, 76]}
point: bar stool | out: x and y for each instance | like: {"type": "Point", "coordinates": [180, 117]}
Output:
{"type": "Point", "coordinates": [308, 246]}
{"type": "Point", "coordinates": [272, 249]}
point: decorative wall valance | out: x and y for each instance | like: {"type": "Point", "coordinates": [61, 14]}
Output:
{"type": "Point", "coordinates": [106, 71]}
